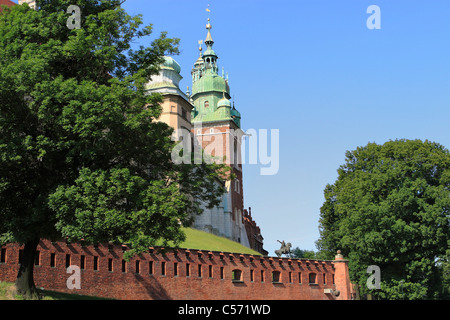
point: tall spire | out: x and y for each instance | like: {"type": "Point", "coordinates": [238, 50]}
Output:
{"type": "Point", "coordinates": [209, 41]}
{"type": "Point", "coordinates": [210, 57]}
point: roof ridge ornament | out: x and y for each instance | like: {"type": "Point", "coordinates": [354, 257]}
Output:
{"type": "Point", "coordinates": [209, 41]}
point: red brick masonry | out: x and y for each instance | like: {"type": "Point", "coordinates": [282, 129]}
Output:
{"type": "Point", "coordinates": [181, 275]}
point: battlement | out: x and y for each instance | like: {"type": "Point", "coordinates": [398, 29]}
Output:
{"type": "Point", "coordinates": [183, 274]}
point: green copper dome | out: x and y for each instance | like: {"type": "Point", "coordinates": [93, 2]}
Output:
{"type": "Point", "coordinates": [210, 52]}
{"type": "Point", "coordinates": [224, 102]}
{"type": "Point", "coordinates": [210, 82]}
{"type": "Point", "coordinates": [235, 113]}
{"type": "Point", "coordinates": [169, 62]}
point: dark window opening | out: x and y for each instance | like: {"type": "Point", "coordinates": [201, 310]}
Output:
{"type": "Point", "coordinates": [312, 278]}
{"type": "Point", "coordinates": [150, 267]}
{"type": "Point", "coordinates": [110, 265]}
{"type": "Point", "coordinates": [138, 266]}
{"type": "Point", "coordinates": [52, 260]}
{"type": "Point", "coordinates": [276, 276]}
{"type": "Point", "coordinates": [236, 275]}
{"type": "Point", "coordinates": [82, 262]}
{"type": "Point", "coordinates": [3, 255]}
{"type": "Point", "coordinates": [37, 258]}
{"type": "Point", "coordinates": [95, 263]}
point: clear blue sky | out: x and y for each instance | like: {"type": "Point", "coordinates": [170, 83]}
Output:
{"type": "Point", "coordinates": [313, 70]}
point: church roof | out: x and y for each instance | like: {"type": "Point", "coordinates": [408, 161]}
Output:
{"type": "Point", "coordinates": [208, 86]}
{"type": "Point", "coordinates": [209, 82]}
{"type": "Point", "coordinates": [170, 63]}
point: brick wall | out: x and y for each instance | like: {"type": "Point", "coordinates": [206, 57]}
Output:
{"type": "Point", "coordinates": [255, 238]}
{"type": "Point", "coordinates": [181, 275]}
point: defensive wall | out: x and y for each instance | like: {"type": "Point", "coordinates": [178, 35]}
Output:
{"type": "Point", "coordinates": [180, 275]}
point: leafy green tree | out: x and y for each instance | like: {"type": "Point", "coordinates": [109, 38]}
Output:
{"type": "Point", "coordinates": [81, 155]}
{"type": "Point", "coordinates": [390, 207]}
{"type": "Point", "coordinates": [302, 254]}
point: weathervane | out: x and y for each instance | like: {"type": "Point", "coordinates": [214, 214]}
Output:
{"type": "Point", "coordinates": [208, 26]}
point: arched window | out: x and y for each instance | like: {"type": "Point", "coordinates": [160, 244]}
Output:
{"type": "Point", "coordinates": [312, 278]}
{"type": "Point", "coordinates": [276, 276]}
{"type": "Point", "coordinates": [236, 275]}
{"type": "Point", "coordinates": [206, 104]}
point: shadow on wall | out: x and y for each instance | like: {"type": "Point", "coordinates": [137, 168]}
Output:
{"type": "Point", "coordinates": [153, 288]}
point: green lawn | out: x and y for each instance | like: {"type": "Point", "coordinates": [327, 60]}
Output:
{"type": "Point", "coordinates": [196, 239]}
{"type": "Point", "coordinates": [6, 289]}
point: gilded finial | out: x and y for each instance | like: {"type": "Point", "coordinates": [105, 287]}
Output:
{"type": "Point", "coordinates": [209, 39]}
{"type": "Point", "coordinates": [200, 42]}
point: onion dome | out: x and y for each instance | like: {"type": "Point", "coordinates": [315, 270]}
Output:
{"type": "Point", "coordinates": [224, 102]}
{"type": "Point", "coordinates": [170, 63]}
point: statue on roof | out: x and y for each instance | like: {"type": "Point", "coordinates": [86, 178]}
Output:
{"type": "Point", "coordinates": [285, 249]}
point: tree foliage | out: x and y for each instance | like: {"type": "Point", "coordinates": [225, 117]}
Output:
{"type": "Point", "coordinates": [81, 155]}
{"type": "Point", "coordinates": [302, 254]}
{"type": "Point", "coordinates": [390, 207]}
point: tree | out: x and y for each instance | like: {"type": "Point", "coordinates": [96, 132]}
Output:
{"type": "Point", "coordinates": [390, 207]}
{"type": "Point", "coordinates": [302, 254]}
{"type": "Point", "coordinates": [81, 155]}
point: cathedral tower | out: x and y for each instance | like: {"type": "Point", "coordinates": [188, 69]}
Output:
{"type": "Point", "coordinates": [216, 126]}
{"type": "Point", "coordinates": [176, 107]}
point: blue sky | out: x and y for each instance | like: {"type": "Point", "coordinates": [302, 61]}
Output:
{"type": "Point", "coordinates": [313, 70]}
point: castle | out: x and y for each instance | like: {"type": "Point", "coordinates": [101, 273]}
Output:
{"type": "Point", "coordinates": [208, 116]}
{"type": "Point", "coordinates": [214, 124]}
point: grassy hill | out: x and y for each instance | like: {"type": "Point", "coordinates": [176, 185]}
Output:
{"type": "Point", "coordinates": [196, 239]}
